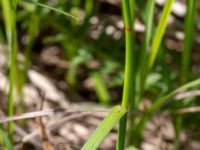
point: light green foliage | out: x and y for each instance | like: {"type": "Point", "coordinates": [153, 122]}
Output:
{"type": "Point", "coordinates": [104, 128]}
{"type": "Point", "coordinates": [129, 82]}
{"type": "Point", "coordinates": [189, 28]}
{"type": "Point", "coordinates": [160, 32]}
{"type": "Point", "coordinates": [101, 89]}
{"type": "Point", "coordinates": [142, 76]}
{"type": "Point", "coordinates": [143, 59]}
{"type": "Point", "coordinates": [56, 10]}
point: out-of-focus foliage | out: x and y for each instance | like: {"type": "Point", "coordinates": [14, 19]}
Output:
{"type": "Point", "coordinates": [94, 50]}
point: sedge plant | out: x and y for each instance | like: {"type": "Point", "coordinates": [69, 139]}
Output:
{"type": "Point", "coordinates": [128, 9]}
{"type": "Point", "coordinates": [148, 57]}
{"type": "Point", "coordinates": [189, 28]}
{"type": "Point", "coordinates": [129, 94]}
{"type": "Point", "coordinates": [128, 100]}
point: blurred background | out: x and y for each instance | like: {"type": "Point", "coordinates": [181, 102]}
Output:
{"type": "Point", "coordinates": [81, 63]}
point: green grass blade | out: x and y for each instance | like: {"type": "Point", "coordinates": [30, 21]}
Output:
{"type": "Point", "coordinates": [56, 10]}
{"type": "Point", "coordinates": [4, 138]}
{"type": "Point", "coordinates": [189, 29]}
{"type": "Point", "coordinates": [101, 89]}
{"type": "Point", "coordinates": [122, 133]}
{"type": "Point", "coordinates": [7, 13]}
{"type": "Point", "coordinates": [130, 57]}
{"type": "Point", "coordinates": [104, 128]}
{"type": "Point", "coordinates": [189, 32]}
{"type": "Point", "coordinates": [160, 32]}
{"type": "Point", "coordinates": [12, 47]}
{"type": "Point", "coordinates": [142, 70]}
{"type": "Point", "coordinates": [154, 107]}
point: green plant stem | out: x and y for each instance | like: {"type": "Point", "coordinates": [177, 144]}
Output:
{"type": "Point", "coordinates": [101, 89]}
{"type": "Point", "coordinates": [7, 13]}
{"type": "Point", "coordinates": [128, 91]}
{"type": "Point", "coordinates": [130, 58]}
{"type": "Point", "coordinates": [32, 30]}
{"type": "Point", "coordinates": [178, 126]}
{"type": "Point", "coordinates": [55, 9]}
{"type": "Point", "coordinates": [12, 65]}
{"type": "Point", "coordinates": [189, 29]}
{"type": "Point", "coordinates": [142, 70]}
{"type": "Point", "coordinates": [188, 40]}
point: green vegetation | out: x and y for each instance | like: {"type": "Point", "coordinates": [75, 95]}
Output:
{"type": "Point", "coordinates": [104, 128]}
{"type": "Point", "coordinates": [94, 52]}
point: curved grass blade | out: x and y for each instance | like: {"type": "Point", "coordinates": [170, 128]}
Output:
{"type": "Point", "coordinates": [188, 40]}
{"type": "Point", "coordinates": [6, 6]}
{"type": "Point", "coordinates": [189, 29]}
{"type": "Point", "coordinates": [160, 101]}
{"type": "Point", "coordinates": [56, 10]}
{"type": "Point", "coordinates": [104, 128]}
{"type": "Point", "coordinates": [13, 48]}
{"type": "Point", "coordinates": [154, 107]}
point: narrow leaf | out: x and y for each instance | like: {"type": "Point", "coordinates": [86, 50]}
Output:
{"type": "Point", "coordinates": [104, 128]}
{"type": "Point", "coordinates": [160, 32]}
{"type": "Point", "coordinates": [154, 107]}
{"type": "Point", "coordinates": [160, 101]}
{"type": "Point", "coordinates": [189, 29]}
{"type": "Point", "coordinates": [55, 9]}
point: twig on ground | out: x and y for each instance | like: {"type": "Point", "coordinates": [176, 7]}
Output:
{"type": "Point", "coordinates": [45, 140]}
{"type": "Point", "coordinates": [55, 125]}
{"type": "Point", "coordinates": [188, 110]}
{"type": "Point", "coordinates": [187, 94]}
{"type": "Point", "coordinates": [47, 112]}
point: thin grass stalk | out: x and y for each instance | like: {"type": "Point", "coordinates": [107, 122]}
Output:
{"type": "Point", "coordinates": [32, 30]}
{"type": "Point", "coordinates": [5, 140]}
{"type": "Point", "coordinates": [189, 29]}
{"type": "Point", "coordinates": [157, 105]}
{"type": "Point", "coordinates": [142, 71]}
{"type": "Point", "coordinates": [159, 33]}
{"type": "Point", "coordinates": [7, 22]}
{"type": "Point", "coordinates": [104, 128]}
{"type": "Point", "coordinates": [12, 65]}
{"type": "Point", "coordinates": [154, 51]}
{"type": "Point", "coordinates": [128, 91]}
